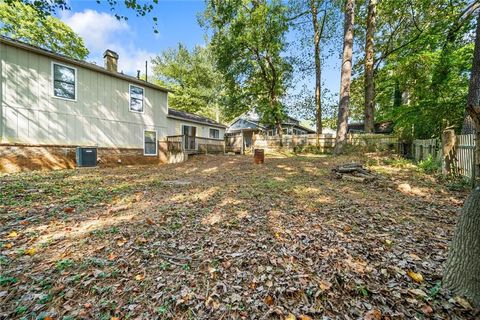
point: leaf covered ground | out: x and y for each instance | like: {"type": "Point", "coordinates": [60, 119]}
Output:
{"type": "Point", "coordinates": [219, 237]}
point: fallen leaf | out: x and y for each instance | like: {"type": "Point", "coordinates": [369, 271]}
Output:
{"type": "Point", "coordinates": [290, 316]}
{"type": "Point", "coordinates": [268, 300]}
{"type": "Point", "coordinates": [417, 292]}
{"type": "Point", "coordinates": [139, 277]}
{"type": "Point", "coordinates": [8, 245]}
{"type": "Point", "coordinates": [111, 256]}
{"type": "Point", "coordinates": [325, 285]}
{"type": "Point", "coordinates": [464, 303]}
{"type": "Point", "coordinates": [87, 305]}
{"type": "Point", "coordinates": [114, 318]}
{"type": "Point", "coordinates": [30, 251]}
{"type": "Point", "coordinates": [347, 228]}
{"type": "Point", "coordinates": [304, 317]}
{"type": "Point", "coordinates": [426, 309]}
{"type": "Point", "coordinates": [150, 221]}
{"type": "Point", "coordinates": [415, 276]}
{"type": "Point", "coordinates": [389, 242]}
{"type": "Point", "coordinates": [69, 210]}
{"type": "Point", "coordinates": [373, 314]}
{"type": "Point", "coordinates": [121, 242]}
{"type": "Point", "coordinates": [13, 234]}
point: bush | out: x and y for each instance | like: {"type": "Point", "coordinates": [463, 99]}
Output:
{"type": "Point", "coordinates": [430, 165]}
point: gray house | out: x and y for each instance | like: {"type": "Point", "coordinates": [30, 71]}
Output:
{"type": "Point", "coordinates": [250, 123]}
{"type": "Point", "coordinates": [51, 104]}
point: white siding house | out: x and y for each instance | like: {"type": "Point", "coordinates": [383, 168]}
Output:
{"type": "Point", "coordinates": [49, 100]}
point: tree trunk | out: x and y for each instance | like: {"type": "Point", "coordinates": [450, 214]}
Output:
{"type": "Point", "coordinates": [369, 70]}
{"type": "Point", "coordinates": [280, 132]}
{"type": "Point", "coordinates": [342, 122]}
{"type": "Point", "coordinates": [449, 150]}
{"type": "Point", "coordinates": [462, 270]}
{"type": "Point", "coordinates": [318, 67]}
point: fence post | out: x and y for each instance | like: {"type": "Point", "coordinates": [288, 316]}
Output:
{"type": "Point", "coordinates": [474, 167]}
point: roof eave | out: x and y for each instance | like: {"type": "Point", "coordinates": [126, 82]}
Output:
{"type": "Point", "coordinates": [197, 121]}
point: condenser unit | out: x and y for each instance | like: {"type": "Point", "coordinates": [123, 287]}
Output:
{"type": "Point", "coordinates": [86, 157]}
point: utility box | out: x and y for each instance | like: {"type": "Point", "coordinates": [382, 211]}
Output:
{"type": "Point", "coordinates": [86, 157]}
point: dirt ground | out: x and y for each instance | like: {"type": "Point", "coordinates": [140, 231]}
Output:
{"type": "Point", "coordinates": [219, 237]}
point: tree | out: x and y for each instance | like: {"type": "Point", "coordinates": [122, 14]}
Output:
{"type": "Point", "coordinates": [192, 75]}
{"type": "Point", "coordinates": [342, 123]}
{"type": "Point", "coordinates": [22, 22]}
{"type": "Point", "coordinates": [46, 8]}
{"type": "Point", "coordinates": [369, 71]}
{"type": "Point", "coordinates": [463, 264]}
{"type": "Point", "coordinates": [248, 42]}
{"type": "Point", "coordinates": [421, 65]}
{"type": "Point", "coordinates": [318, 28]}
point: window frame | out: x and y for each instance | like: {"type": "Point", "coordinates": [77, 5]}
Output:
{"type": "Point", "coordinates": [130, 98]}
{"type": "Point", "coordinates": [210, 131]}
{"type": "Point", "coordinates": [53, 80]}
{"type": "Point", "coordinates": [156, 143]}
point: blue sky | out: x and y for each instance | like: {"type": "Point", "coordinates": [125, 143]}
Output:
{"type": "Point", "coordinates": [135, 41]}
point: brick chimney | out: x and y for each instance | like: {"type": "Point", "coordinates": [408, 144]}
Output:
{"type": "Point", "coordinates": [110, 58]}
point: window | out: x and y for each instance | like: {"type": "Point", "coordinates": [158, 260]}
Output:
{"type": "Point", "coordinates": [136, 99]}
{"type": "Point", "coordinates": [64, 82]}
{"type": "Point", "coordinates": [149, 143]}
{"type": "Point", "coordinates": [214, 133]}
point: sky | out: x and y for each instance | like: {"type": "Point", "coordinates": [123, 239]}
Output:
{"type": "Point", "coordinates": [135, 41]}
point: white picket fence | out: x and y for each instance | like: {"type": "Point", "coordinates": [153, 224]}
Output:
{"type": "Point", "coordinates": [465, 153]}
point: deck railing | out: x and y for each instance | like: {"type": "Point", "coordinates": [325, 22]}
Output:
{"type": "Point", "coordinates": [185, 143]}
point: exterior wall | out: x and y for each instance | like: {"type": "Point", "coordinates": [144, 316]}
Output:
{"type": "Point", "coordinates": [100, 116]}
{"type": "Point", "coordinates": [15, 158]}
{"type": "Point", "coordinates": [203, 130]}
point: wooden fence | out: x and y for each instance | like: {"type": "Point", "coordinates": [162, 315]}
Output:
{"type": "Point", "coordinates": [464, 161]}
{"type": "Point", "coordinates": [422, 149]}
{"type": "Point", "coordinates": [326, 142]}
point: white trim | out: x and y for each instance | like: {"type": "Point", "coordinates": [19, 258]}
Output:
{"type": "Point", "coordinates": [53, 80]}
{"type": "Point", "coordinates": [156, 143]}
{"type": "Point", "coordinates": [130, 98]}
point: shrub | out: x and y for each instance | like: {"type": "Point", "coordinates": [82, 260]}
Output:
{"type": "Point", "coordinates": [430, 165]}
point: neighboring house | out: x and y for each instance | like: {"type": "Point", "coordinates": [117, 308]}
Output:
{"type": "Point", "coordinates": [51, 104]}
{"type": "Point", "coordinates": [384, 127]}
{"type": "Point", "coordinates": [249, 124]}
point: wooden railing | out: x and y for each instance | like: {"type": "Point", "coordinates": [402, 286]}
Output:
{"type": "Point", "coordinates": [181, 143]}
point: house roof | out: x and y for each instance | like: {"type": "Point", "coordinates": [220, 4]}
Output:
{"type": "Point", "coordinates": [186, 116]}
{"type": "Point", "coordinates": [253, 117]}
{"type": "Point", "coordinates": [76, 62]}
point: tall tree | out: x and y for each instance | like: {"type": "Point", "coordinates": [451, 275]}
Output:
{"type": "Point", "coordinates": [318, 28]}
{"type": "Point", "coordinates": [194, 79]}
{"type": "Point", "coordinates": [346, 73]}
{"type": "Point", "coordinates": [369, 70]}
{"type": "Point", "coordinates": [248, 42]}
{"type": "Point", "coordinates": [22, 22]}
{"type": "Point", "coordinates": [462, 269]}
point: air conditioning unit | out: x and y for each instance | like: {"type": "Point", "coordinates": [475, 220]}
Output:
{"type": "Point", "coordinates": [86, 157]}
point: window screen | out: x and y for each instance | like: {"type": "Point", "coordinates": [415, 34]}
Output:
{"type": "Point", "coordinates": [150, 143]}
{"type": "Point", "coordinates": [136, 99]}
{"type": "Point", "coordinates": [214, 133]}
{"type": "Point", "coordinates": [64, 82]}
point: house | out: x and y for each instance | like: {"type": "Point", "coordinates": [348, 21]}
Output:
{"type": "Point", "coordinates": [250, 123]}
{"type": "Point", "coordinates": [384, 127]}
{"type": "Point", "coordinates": [51, 104]}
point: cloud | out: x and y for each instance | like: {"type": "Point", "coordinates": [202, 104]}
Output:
{"type": "Point", "coordinates": [102, 31]}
